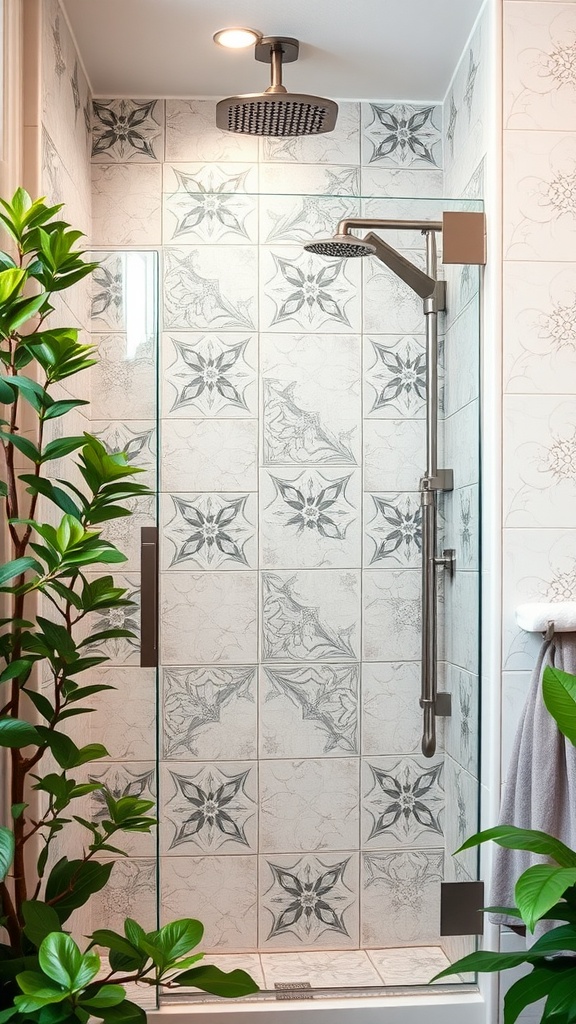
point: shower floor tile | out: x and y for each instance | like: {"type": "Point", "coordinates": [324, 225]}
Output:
{"type": "Point", "coordinates": [414, 966]}
{"type": "Point", "coordinates": [326, 969]}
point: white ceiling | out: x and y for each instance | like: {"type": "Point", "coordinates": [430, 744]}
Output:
{"type": "Point", "coordinates": [350, 49]}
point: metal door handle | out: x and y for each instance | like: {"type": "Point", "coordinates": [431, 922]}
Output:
{"type": "Point", "coordinates": [149, 596]}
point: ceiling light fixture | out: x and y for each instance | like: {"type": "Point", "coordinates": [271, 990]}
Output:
{"type": "Point", "coordinates": [237, 38]}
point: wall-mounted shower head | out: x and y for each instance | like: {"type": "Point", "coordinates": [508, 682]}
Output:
{"type": "Point", "coordinates": [343, 246]}
{"type": "Point", "coordinates": [276, 112]}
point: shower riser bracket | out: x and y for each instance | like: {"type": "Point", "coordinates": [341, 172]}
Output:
{"type": "Point", "coordinates": [443, 480]}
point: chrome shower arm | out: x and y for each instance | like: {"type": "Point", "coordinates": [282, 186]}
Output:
{"type": "Point", "coordinates": [421, 283]}
{"type": "Point", "coordinates": [349, 224]}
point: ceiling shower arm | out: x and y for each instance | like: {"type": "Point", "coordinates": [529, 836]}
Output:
{"type": "Point", "coordinates": [421, 283]}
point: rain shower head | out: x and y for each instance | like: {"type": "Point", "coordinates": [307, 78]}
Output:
{"type": "Point", "coordinates": [343, 246]}
{"type": "Point", "coordinates": [276, 112]}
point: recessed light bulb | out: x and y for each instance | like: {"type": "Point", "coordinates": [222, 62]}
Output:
{"type": "Point", "coordinates": [237, 38]}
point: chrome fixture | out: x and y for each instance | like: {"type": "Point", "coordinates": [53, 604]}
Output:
{"type": "Point", "coordinates": [433, 293]}
{"type": "Point", "coordinates": [276, 112]}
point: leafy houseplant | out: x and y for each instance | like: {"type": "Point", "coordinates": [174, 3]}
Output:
{"type": "Point", "coordinates": [45, 978]}
{"type": "Point", "coordinates": [543, 892]}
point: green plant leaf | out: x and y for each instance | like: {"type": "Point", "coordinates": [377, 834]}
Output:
{"type": "Point", "coordinates": [124, 956]}
{"type": "Point", "coordinates": [16, 733]}
{"type": "Point", "coordinates": [125, 1013]}
{"type": "Point", "coordinates": [525, 839]}
{"type": "Point", "coordinates": [557, 940]}
{"type": "Point", "coordinates": [107, 995]}
{"type": "Point", "coordinates": [71, 884]}
{"type": "Point", "coordinates": [61, 959]}
{"type": "Point", "coordinates": [559, 693]}
{"type": "Point", "coordinates": [539, 888]}
{"type": "Point", "coordinates": [61, 447]}
{"type": "Point", "coordinates": [6, 851]}
{"type": "Point", "coordinates": [178, 937]}
{"type": "Point", "coordinates": [483, 961]}
{"type": "Point", "coordinates": [562, 998]}
{"type": "Point", "coordinates": [62, 407]}
{"type": "Point", "coordinates": [17, 566]}
{"type": "Point", "coordinates": [17, 668]}
{"type": "Point", "coordinates": [231, 984]}
{"type": "Point", "coordinates": [39, 921]}
{"type": "Point", "coordinates": [527, 990]}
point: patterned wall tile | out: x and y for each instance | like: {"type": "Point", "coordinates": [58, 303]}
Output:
{"type": "Point", "coordinates": [136, 439]}
{"type": "Point", "coordinates": [209, 455]}
{"type": "Point", "coordinates": [211, 203]}
{"type": "Point", "coordinates": [126, 204]}
{"type": "Point", "coordinates": [310, 518]}
{"type": "Point", "coordinates": [289, 180]}
{"type": "Point", "coordinates": [209, 808]}
{"type": "Point", "coordinates": [309, 711]}
{"type": "Point", "coordinates": [391, 714]}
{"type": "Point", "coordinates": [208, 617]}
{"type": "Point", "coordinates": [466, 110]}
{"type": "Point", "coordinates": [539, 309]}
{"type": "Point", "coordinates": [307, 902]}
{"type": "Point", "coordinates": [401, 898]}
{"type": "Point", "coordinates": [394, 454]}
{"type": "Point", "coordinates": [403, 803]}
{"type": "Point", "coordinates": [127, 131]}
{"type": "Point", "coordinates": [398, 182]}
{"type": "Point", "coordinates": [209, 375]}
{"type": "Point", "coordinates": [341, 146]}
{"type": "Point", "coordinates": [322, 796]}
{"type": "Point", "coordinates": [539, 200]}
{"type": "Point", "coordinates": [288, 218]}
{"type": "Point", "coordinates": [538, 66]}
{"type": "Point", "coordinates": [304, 292]}
{"type": "Point", "coordinates": [209, 531]}
{"type": "Point", "coordinates": [461, 730]}
{"type": "Point", "coordinates": [395, 376]}
{"type": "Point", "coordinates": [390, 306]}
{"type": "Point", "coordinates": [393, 530]}
{"type": "Point", "coordinates": [119, 283]}
{"type": "Point", "coordinates": [462, 822]}
{"type": "Point", "coordinates": [311, 615]}
{"type": "Point", "coordinates": [123, 650]}
{"type": "Point", "coordinates": [462, 511]}
{"type": "Point", "coordinates": [204, 291]}
{"type": "Point", "coordinates": [131, 892]}
{"type": "Point", "coordinates": [223, 897]}
{"type": "Point", "coordinates": [209, 713]}
{"type": "Point", "coordinates": [402, 134]}
{"type": "Point", "coordinates": [192, 135]}
{"type": "Point", "coordinates": [123, 382]}
{"type": "Point", "coordinates": [391, 604]}
{"type": "Point", "coordinates": [131, 778]}
{"type": "Point", "coordinates": [539, 461]}
{"type": "Point", "coordinates": [125, 715]}
{"type": "Point", "coordinates": [312, 401]}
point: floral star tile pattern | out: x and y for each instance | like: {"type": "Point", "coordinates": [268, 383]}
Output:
{"type": "Point", "coordinates": [211, 375]}
{"type": "Point", "coordinates": [306, 901]}
{"type": "Point", "coordinates": [396, 377]}
{"type": "Point", "coordinates": [127, 130]}
{"type": "Point", "coordinates": [209, 713]}
{"type": "Point", "coordinates": [394, 530]}
{"type": "Point", "coordinates": [404, 803]}
{"type": "Point", "coordinates": [212, 204]}
{"type": "Point", "coordinates": [404, 135]}
{"type": "Point", "coordinates": [210, 809]}
{"type": "Point", "coordinates": [211, 531]}
{"type": "Point", "coordinates": [309, 293]}
{"type": "Point", "coordinates": [303, 620]}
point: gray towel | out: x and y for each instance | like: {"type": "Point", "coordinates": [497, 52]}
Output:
{"type": "Point", "coordinates": [540, 790]}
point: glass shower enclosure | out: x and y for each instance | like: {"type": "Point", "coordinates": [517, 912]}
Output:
{"type": "Point", "coordinates": [277, 400]}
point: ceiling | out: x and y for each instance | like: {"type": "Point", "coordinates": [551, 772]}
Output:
{"type": "Point", "coordinates": [350, 49]}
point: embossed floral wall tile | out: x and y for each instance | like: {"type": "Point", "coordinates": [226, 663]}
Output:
{"type": "Point", "coordinates": [307, 180]}
{"type": "Point", "coordinates": [391, 614]}
{"type": "Point", "coordinates": [127, 131]}
{"type": "Point", "coordinates": [309, 711]}
{"type": "Point", "coordinates": [461, 616]}
{"type": "Point", "coordinates": [389, 305]}
{"type": "Point", "coordinates": [132, 890]}
{"type": "Point", "coordinates": [209, 375]}
{"type": "Point", "coordinates": [391, 719]}
{"type": "Point", "coordinates": [539, 195]}
{"type": "Point", "coordinates": [128, 718]}
{"type": "Point", "coordinates": [209, 531]}
{"type": "Point", "coordinates": [202, 291]}
{"type": "Point", "coordinates": [461, 729]}
{"type": "Point", "coordinates": [462, 443]}
{"type": "Point", "coordinates": [341, 146]}
{"type": "Point", "coordinates": [191, 135]}
{"type": "Point", "coordinates": [300, 291]}
{"type": "Point", "coordinates": [126, 204]}
{"type": "Point", "coordinates": [394, 376]}
{"type": "Point", "coordinates": [400, 895]}
{"type": "Point", "coordinates": [393, 530]}
{"type": "Point", "coordinates": [209, 455]}
{"type": "Point", "coordinates": [462, 358]}
{"type": "Point", "coordinates": [209, 713]}
{"type": "Point", "coordinates": [540, 461]}
{"type": "Point", "coordinates": [308, 901]}
{"type": "Point", "coordinates": [402, 134]}
{"type": "Point", "coordinates": [540, 327]}
{"type": "Point", "coordinates": [132, 778]}
{"type": "Point", "coordinates": [209, 808]}
{"type": "Point", "coordinates": [223, 897]}
{"type": "Point", "coordinates": [310, 518]}
{"type": "Point", "coordinates": [123, 380]}
{"type": "Point", "coordinates": [310, 616]}
{"type": "Point", "coordinates": [393, 451]}
{"type": "Point", "coordinates": [539, 78]}
{"type": "Point", "coordinates": [209, 617]}
{"type": "Point", "coordinates": [403, 803]}
{"type": "Point", "coordinates": [309, 805]}
{"type": "Point", "coordinates": [462, 796]}
{"type": "Point", "coordinates": [211, 203]}
{"type": "Point", "coordinates": [290, 219]}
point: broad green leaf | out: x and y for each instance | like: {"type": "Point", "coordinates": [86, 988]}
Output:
{"type": "Point", "coordinates": [7, 394]}
{"type": "Point", "coordinates": [42, 987]}
{"type": "Point", "coordinates": [39, 921]}
{"type": "Point", "coordinates": [61, 447]}
{"type": "Point", "coordinates": [6, 851]}
{"type": "Point", "coordinates": [60, 958]}
{"type": "Point", "coordinates": [23, 444]}
{"type": "Point", "coordinates": [124, 955]}
{"type": "Point", "coordinates": [6, 1015]}
{"type": "Point", "coordinates": [16, 733]}
{"type": "Point", "coordinates": [525, 839]}
{"type": "Point", "coordinates": [125, 1013]}
{"type": "Point", "coordinates": [559, 693]}
{"type": "Point", "coordinates": [17, 566]}
{"type": "Point", "coordinates": [107, 995]}
{"type": "Point", "coordinates": [231, 985]}
{"type": "Point", "coordinates": [178, 937]}
{"type": "Point", "coordinates": [10, 282]}
{"type": "Point", "coordinates": [562, 998]}
{"type": "Point", "coordinates": [527, 990]}
{"type": "Point", "coordinates": [134, 932]}
{"type": "Point", "coordinates": [539, 888]}
{"type": "Point", "coordinates": [71, 884]}
{"type": "Point", "coordinates": [557, 940]}
{"type": "Point", "coordinates": [483, 961]}
{"type": "Point", "coordinates": [62, 407]}
{"type": "Point", "coordinates": [17, 668]}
